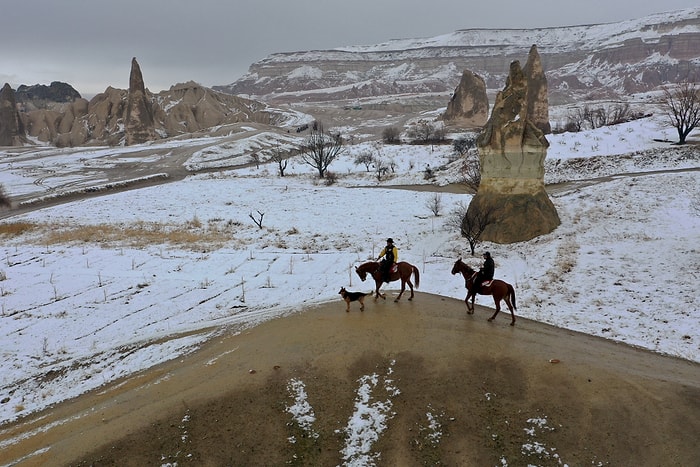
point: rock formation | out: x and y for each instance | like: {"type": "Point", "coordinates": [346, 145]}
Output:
{"type": "Point", "coordinates": [512, 148]}
{"type": "Point", "coordinates": [469, 106]}
{"type": "Point", "coordinates": [191, 108]}
{"type": "Point", "coordinates": [183, 109]}
{"type": "Point", "coordinates": [12, 131]}
{"type": "Point", "coordinates": [138, 122]}
{"type": "Point", "coordinates": [40, 96]}
{"type": "Point", "coordinates": [587, 62]}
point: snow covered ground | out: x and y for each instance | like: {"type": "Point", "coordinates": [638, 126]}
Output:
{"type": "Point", "coordinates": [78, 314]}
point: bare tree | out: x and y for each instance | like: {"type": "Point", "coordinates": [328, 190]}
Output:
{"type": "Point", "coordinates": [391, 135]}
{"type": "Point", "coordinates": [281, 158]}
{"type": "Point", "coordinates": [365, 158]}
{"type": "Point", "coordinates": [422, 131]}
{"type": "Point", "coordinates": [381, 168]}
{"type": "Point", "coordinates": [471, 224]}
{"type": "Point", "coordinates": [683, 108]}
{"type": "Point", "coordinates": [470, 171]}
{"type": "Point", "coordinates": [462, 145]}
{"type": "Point", "coordinates": [434, 204]}
{"type": "Point", "coordinates": [592, 118]}
{"type": "Point", "coordinates": [321, 148]}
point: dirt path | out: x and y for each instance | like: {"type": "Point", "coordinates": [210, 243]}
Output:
{"type": "Point", "coordinates": [484, 383]}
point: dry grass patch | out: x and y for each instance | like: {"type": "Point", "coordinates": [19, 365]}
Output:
{"type": "Point", "coordinates": [136, 235]}
{"type": "Point", "coordinates": [14, 229]}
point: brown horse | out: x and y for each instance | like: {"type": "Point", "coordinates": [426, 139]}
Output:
{"type": "Point", "coordinates": [499, 289]}
{"type": "Point", "coordinates": [403, 271]}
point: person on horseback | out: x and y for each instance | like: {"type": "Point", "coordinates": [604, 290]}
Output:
{"type": "Point", "coordinates": [391, 255]}
{"type": "Point", "coordinates": [485, 273]}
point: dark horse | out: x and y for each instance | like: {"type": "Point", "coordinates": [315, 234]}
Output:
{"type": "Point", "coordinates": [402, 271]}
{"type": "Point", "coordinates": [499, 289]}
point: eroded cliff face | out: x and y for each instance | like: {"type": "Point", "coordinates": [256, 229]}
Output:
{"type": "Point", "coordinates": [582, 62]}
{"type": "Point", "coordinates": [512, 149]}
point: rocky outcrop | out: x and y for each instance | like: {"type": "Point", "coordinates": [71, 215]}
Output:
{"type": "Point", "coordinates": [512, 149]}
{"type": "Point", "coordinates": [469, 106]}
{"type": "Point", "coordinates": [40, 96]}
{"type": "Point", "coordinates": [190, 107]}
{"type": "Point", "coordinates": [58, 124]}
{"type": "Point", "coordinates": [119, 116]}
{"type": "Point", "coordinates": [138, 123]}
{"type": "Point", "coordinates": [583, 62]}
{"type": "Point", "coordinates": [12, 131]}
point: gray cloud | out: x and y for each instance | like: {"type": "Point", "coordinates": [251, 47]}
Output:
{"type": "Point", "coordinates": [90, 43]}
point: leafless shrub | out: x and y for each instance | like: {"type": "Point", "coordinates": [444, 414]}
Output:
{"type": "Point", "coordinates": [464, 144]}
{"type": "Point", "coordinates": [365, 158]}
{"type": "Point", "coordinates": [258, 220]}
{"type": "Point", "coordinates": [280, 157]}
{"type": "Point", "coordinates": [381, 168]}
{"type": "Point", "coordinates": [425, 132]}
{"type": "Point", "coordinates": [471, 224]}
{"type": "Point", "coordinates": [434, 204]}
{"type": "Point", "coordinates": [586, 117]}
{"type": "Point", "coordinates": [391, 135]}
{"type": "Point", "coordinates": [470, 172]}
{"type": "Point", "coordinates": [331, 178]}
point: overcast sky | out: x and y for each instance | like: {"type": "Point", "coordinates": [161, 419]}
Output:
{"type": "Point", "coordinates": [89, 43]}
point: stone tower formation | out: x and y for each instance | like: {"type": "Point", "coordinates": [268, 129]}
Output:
{"type": "Point", "coordinates": [512, 148]}
{"type": "Point", "coordinates": [138, 122]}
{"type": "Point", "coordinates": [469, 105]}
{"type": "Point", "coordinates": [12, 132]}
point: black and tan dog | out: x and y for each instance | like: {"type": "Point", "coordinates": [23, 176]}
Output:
{"type": "Point", "coordinates": [353, 297]}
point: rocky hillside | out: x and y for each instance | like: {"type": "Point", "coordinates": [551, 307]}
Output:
{"type": "Point", "coordinates": [183, 109]}
{"type": "Point", "coordinates": [581, 62]}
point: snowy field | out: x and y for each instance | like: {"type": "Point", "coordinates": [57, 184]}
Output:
{"type": "Point", "coordinates": [75, 315]}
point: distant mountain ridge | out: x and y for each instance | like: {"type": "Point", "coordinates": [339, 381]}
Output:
{"type": "Point", "coordinates": [581, 62]}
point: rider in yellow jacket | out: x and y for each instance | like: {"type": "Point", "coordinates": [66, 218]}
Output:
{"type": "Point", "coordinates": [391, 256]}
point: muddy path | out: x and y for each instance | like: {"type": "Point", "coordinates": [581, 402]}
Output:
{"type": "Point", "coordinates": [596, 401]}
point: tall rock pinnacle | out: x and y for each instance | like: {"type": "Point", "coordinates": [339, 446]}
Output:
{"type": "Point", "coordinates": [512, 148]}
{"type": "Point", "coordinates": [139, 124]}
{"type": "Point", "coordinates": [12, 131]}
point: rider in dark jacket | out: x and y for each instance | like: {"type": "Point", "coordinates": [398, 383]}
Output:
{"type": "Point", "coordinates": [391, 255]}
{"type": "Point", "coordinates": [485, 273]}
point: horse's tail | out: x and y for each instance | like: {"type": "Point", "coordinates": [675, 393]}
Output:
{"type": "Point", "coordinates": [511, 292]}
{"type": "Point", "coordinates": [416, 274]}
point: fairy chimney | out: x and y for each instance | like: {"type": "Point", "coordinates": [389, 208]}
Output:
{"type": "Point", "coordinates": [469, 106]}
{"type": "Point", "coordinates": [512, 148]}
{"type": "Point", "coordinates": [139, 125]}
{"type": "Point", "coordinates": [12, 131]}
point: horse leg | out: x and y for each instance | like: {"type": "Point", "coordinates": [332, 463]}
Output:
{"type": "Point", "coordinates": [510, 307]}
{"type": "Point", "coordinates": [403, 287]}
{"type": "Point", "coordinates": [498, 308]}
{"type": "Point", "coordinates": [377, 294]}
{"type": "Point", "coordinates": [470, 310]}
